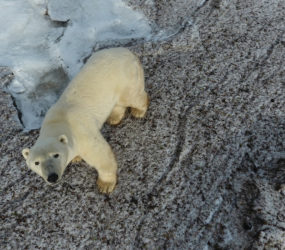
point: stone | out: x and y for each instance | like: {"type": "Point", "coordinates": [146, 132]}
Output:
{"type": "Point", "coordinates": [207, 169]}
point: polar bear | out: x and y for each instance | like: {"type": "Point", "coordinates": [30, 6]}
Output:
{"type": "Point", "coordinates": [110, 81]}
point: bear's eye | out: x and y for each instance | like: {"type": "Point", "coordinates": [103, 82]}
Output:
{"type": "Point", "coordinates": [55, 155]}
{"type": "Point", "coordinates": [37, 163]}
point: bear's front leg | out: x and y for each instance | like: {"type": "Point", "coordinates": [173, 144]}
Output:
{"type": "Point", "coordinates": [98, 154]}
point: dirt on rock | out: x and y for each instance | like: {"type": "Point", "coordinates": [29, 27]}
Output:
{"type": "Point", "coordinates": [205, 169]}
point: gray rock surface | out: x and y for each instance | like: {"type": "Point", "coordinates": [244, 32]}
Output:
{"type": "Point", "coordinates": [204, 170]}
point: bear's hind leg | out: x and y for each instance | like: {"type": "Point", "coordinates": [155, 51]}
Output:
{"type": "Point", "coordinates": [140, 105]}
{"type": "Point", "coordinates": [116, 115]}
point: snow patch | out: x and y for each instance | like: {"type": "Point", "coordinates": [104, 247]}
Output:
{"type": "Point", "coordinates": [46, 42]}
{"type": "Point", "coordinates": [217, 204]}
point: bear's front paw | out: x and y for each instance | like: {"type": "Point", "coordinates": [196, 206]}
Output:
{"type": "Point", "coordinates": [105, 187]}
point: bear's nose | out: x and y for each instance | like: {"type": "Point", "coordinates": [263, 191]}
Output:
{"type": "Point", "coordinates": [52, 178]}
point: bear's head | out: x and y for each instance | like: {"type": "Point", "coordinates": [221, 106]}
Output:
{"type": "Point", "coordinates": [48, 158]}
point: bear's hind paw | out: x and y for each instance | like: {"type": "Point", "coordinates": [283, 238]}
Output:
{"type": "Point", "coordinates": [76, 159]}
{"type": "Point", "coordinates": [139, 112]}
{"type": "Point", "coordinates": [114, 120]}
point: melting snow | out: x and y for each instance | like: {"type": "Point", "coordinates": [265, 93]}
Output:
{"type": "Point", "coordinates": [45, 42]}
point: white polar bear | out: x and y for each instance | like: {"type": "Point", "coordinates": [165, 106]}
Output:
{"type": "Point", "coordinates": [109, 82]}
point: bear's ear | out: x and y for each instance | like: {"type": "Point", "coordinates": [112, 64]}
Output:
{"type": "Point", "coordinates": [63, 139]}
{"type": "Point", "coordinates": [25, 153]}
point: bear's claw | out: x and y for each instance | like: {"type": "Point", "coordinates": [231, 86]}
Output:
{"type": "Point", "coordinates": [105, 187]}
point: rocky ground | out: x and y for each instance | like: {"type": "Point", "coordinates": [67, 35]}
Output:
{"type": "Point", "coordinates": [204, 170]}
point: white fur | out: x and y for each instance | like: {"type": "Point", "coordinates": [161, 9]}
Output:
{"type": "Point", "coordinates": [111, 81]}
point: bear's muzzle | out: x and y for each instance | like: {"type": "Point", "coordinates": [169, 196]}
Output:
{"type": "Point", "coordinates": [52, 178]}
